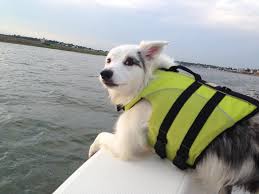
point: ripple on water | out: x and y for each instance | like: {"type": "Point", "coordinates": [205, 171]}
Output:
{"type": "Point", "coordinates": [3, 156]}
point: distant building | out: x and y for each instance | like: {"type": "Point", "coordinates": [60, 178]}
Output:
{"type": "Point", "coordinates": [43, 40]}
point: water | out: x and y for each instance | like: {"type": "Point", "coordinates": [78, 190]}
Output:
{"type": "Point", "coordinates": [51, 108]}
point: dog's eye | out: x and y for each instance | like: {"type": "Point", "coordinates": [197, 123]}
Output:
{"type": "Point", "coordinates": [129, 61]}
{"type": "Point", "coordinates": [108, 60]}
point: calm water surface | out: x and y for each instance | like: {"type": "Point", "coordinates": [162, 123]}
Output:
{"type": "Point", "coordinates": [51, 108]}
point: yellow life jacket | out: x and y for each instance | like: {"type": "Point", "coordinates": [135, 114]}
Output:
{"type": "Point", "coordinates": [188, 114]}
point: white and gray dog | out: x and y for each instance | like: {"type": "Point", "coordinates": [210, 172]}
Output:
{"type": "Point", "coordinates": [230, 160]}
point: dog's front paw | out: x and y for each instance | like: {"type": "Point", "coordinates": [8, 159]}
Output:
{"type": "Point", "coordinates": [103, 140]}
{"type": "Point", "coordinates": [93, 149]}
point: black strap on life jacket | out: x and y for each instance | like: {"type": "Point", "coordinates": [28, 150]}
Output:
{"type": "Point", "coordinates": [160, 146]}
{"type": "Point", "coordinates": [183, 152]}
{"type": "Point", "coordinates": [175, 69]}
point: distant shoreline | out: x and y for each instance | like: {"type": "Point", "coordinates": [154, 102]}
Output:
{"type": "Point", "coordinates": [246, 71]}
{"type": "Point", "coordinates": [51, 44]}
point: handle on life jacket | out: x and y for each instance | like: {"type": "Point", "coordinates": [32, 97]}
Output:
{"type": "Point", "coordinates": [195, 75]}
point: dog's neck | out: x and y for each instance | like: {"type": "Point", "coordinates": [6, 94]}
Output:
{"type": "Point", "coordinates": [118, 99]}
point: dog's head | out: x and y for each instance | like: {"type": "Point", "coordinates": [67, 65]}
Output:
{"type": "Point", "coordinates": [128, 68]}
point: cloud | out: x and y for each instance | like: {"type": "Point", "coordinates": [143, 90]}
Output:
{"type": "Point", "coordinates": [129, 4]}
{"type": "Point", "coordinates": [135, 4]}
{"type": "Point", "coordinates": [221, 14]}
{"type": "Point", "coordinates": [242, 14]}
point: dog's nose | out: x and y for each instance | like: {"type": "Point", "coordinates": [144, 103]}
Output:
{"type": "Point", "coordinates": [106, 74]}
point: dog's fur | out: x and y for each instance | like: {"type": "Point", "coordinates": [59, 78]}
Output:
{"type": "Point", "coordinates": [230, 160]}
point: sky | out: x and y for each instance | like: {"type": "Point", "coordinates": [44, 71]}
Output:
{"type": "Point", "coordinates": [216, 32]}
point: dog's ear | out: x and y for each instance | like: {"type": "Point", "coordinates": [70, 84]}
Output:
{"type": "Point", "coordinates": [151, 49]}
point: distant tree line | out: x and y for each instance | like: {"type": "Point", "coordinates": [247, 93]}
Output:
{"type": "Point", "coordinates": [42, 42]}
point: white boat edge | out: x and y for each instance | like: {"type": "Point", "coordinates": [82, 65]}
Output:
{"type": "Point", "coordinates": [104, 174]}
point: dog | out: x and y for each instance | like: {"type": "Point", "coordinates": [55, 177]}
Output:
{"type": "Point", "coordinates": [230, 160]}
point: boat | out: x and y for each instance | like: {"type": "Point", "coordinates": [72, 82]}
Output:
{"type": "Point", "coordinates": [104, 174]}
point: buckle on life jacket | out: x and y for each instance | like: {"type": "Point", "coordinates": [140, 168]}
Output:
{"type": "Point", "coordinates": [223, 89]}
{"type": "Point", "coordinates": [160, 146]}
{"type": "Point", "coordinates": [181, 157]}
{"type": "Point", "coordinates": [120, 107]}
{"type": "Point", "coordinates": [160, 149]}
